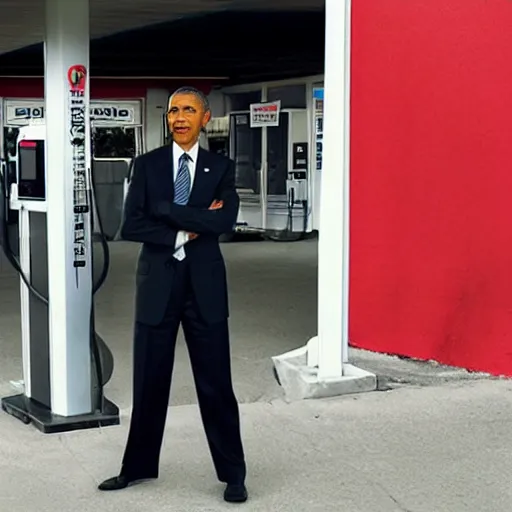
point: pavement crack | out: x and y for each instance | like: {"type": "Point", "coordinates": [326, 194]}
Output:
{"type": "Point", "coordinates": [375, 483]}
{"type": "Point", "coordinates": [307, 437]}
{"type": "Point", "coordinates": [392, 498]}
{"type": "Point", "coordinates": [66, 447]}
{"type": "Point", "coordinates": [399, 504]}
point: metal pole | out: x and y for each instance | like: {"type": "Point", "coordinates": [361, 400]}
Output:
{"type": "Point", "coordinates": [264, 166]}
{"type": "Point", "coordinates": [333, 247]}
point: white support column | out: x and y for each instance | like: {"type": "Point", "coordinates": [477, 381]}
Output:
{"type": "Point", "coordinates": [320, 368]}
{"type": "Point", "coordinates": [333, 250]}
{"type": "Point", "coordinates": [67, 45]}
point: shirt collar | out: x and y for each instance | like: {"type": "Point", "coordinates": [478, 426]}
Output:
{"type": "Point", "coordinates": [192, 153]}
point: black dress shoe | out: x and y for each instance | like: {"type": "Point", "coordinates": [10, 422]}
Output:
{"type": "Point", "coordinates": [235, 493]}
{"type": "Point", "coordinates": [114, 484]}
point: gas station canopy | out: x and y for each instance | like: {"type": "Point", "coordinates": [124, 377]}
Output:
{"type": "Point", "coordinates": [234, 46]}
{"type": "Point", "coordinates": [22, 21]}
{"type": "Point", "coordinates": [67, 28]}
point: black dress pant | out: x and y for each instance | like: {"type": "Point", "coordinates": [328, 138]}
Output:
{"type": "Point", "coordinates": [209, 351]}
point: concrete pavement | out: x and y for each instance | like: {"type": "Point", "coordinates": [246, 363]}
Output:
{"type": "Point", "coordinates": [436, 440]}
{"type": "Point", "coordinates": [432, 449]}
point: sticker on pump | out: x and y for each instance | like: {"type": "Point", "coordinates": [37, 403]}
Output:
{"type": "Point", "coordinates": [77, 78]}
{"type": "Point", "coordinates": [26, 144]}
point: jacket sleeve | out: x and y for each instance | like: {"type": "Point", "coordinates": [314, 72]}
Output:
{"type": "Point", "coordinates": [203, 221]}
{"type": "Point", "coordinates": [137, 224]}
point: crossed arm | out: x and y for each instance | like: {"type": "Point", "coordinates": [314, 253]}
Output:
{"type": "Point", "coordinates": [166, 223]}
{"type": "Point", "coordinates": [217, 220]}
{"type": "Point", "coordinates": [137, 225]}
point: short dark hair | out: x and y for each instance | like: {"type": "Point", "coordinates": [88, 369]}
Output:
{"type": "Point", "coordinates": [186, 89]}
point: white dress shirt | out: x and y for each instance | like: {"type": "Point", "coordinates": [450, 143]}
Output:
{"type": "Point", "coordinates": [182, 236]}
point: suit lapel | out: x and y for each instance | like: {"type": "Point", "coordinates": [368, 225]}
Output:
{"type": "Point", "coordinates": [166, 180]}
{"type": "Point", "coordinates": [201, 178]}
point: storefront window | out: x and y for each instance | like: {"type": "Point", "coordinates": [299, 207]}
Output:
{"type": "Point", "coordinates": [114, 142]}
{"type": "Point", "coordinates": [291, 96]}
{"type": "Point", "coordinates": [242, 101]}
{"type": "Point", "coordinates": [107, 142]}
{"type": "Point", "coordinates": [10, 138]}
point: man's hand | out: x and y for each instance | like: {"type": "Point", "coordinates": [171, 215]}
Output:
{"type": "Point", "coordinates": [216, 205]}
{"type": "Point", "coordinates": [192, 236]}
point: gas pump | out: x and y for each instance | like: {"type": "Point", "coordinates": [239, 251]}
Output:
{"type": "Point", "coordinates": [26, 194]}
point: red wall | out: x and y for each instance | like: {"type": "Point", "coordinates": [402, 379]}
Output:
{"type": "Point", "coordinates": [100, 88]}
{"type": "Point", "coordinates": [431, 246]}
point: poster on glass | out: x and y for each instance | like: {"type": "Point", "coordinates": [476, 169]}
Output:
{"type": "Point", "coordinates": [318, 97]}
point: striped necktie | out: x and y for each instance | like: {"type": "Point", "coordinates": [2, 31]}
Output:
{"type": "Point", "coordinates": [182, 183]}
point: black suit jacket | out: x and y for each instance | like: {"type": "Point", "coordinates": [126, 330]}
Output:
{"type": "Point", "coordinates": [151, 218]}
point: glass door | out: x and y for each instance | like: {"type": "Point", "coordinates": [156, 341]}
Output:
{"type": "Point", "coordinates": [245, 150]}
{"type": "Point", "coordinates": [276, 205]}
{"type": "Point", "coordinates": [277, 159]}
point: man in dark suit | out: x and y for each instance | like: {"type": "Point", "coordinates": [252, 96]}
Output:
{"type": "Point", "coordinates": [180, 200]}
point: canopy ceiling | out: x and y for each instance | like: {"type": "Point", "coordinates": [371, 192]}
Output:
{"type": "Point", "coordinates": [22, 21]}
{"type": "Point", "coordinates": [243, 46]}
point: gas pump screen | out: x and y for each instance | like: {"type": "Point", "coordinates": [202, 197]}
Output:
{"type": "Point", "coordinates": [31, 173]}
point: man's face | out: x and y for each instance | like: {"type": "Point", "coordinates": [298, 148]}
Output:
{"type": "Point", "coordinates": [186, 117]}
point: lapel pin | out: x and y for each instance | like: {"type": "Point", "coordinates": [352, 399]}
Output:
{"type": "Point", "coordinates": [206, 169]}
